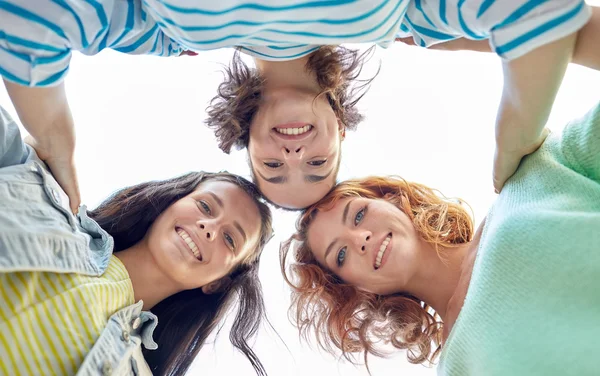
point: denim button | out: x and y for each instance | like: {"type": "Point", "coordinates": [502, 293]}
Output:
{"type": "Point", "coordinates": [55, 195]}
{"type": "Point", "coordinates": [136, 323]}
{"type": "Point", "coordinates": [106, 368]}
{"type": "Point", "coordinates": [125, 336]}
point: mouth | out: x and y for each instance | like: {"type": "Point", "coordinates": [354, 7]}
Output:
{"type": "Point", "coordinates": [192, 246]}
{"type": "Point", "coordinates": [383, 248]}
{"type": "Point", "coordinates": [293, 131]}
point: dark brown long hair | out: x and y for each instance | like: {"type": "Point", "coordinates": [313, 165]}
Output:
{"type": "Point", "coordinates": [355, 321]}
{"type": "Point", "coordinates": [188, 317]}
{"type": "Point", "coordinates": [337, 69]}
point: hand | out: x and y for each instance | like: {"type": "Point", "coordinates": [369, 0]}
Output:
{"type": "Point", "coordinates": [59, 156]}
{"type": "Point", "coordinates": [506, 162]}
{"type": "Point", "coordinates": [188, 53]}
{"type": "Point", "coordinates": [406, 40]}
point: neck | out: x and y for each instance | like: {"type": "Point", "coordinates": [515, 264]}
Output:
{"type": "Point", "coordinates": [289, 74]}
{"type": "Point", "coordinates": [437, 283]}
{"type": "Point", "coordinates": [149, 284]}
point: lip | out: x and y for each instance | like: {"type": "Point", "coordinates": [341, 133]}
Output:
{"type": "Point", "coordinates": [388, 250]}
{"type": "Point", "coordinates": [195, 239]}
{"type": "Point", "coordinates": [293, 137]}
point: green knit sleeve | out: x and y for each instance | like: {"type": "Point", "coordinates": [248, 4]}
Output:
{"type": "Point", "coordinates": [580, 144]}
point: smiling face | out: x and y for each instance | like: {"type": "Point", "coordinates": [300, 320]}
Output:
{"type": "Point", "coordinates": [204, 235]}
{"type": "Point", "coordinates": [294, 147]}
{"type": "Point", "coordinates": [368, 243]}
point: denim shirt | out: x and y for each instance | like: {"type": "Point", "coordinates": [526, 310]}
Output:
{"type": "Point", "coordinates": [38, 232]}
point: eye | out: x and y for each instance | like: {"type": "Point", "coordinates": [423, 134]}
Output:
{"type": "Point", "coordinates": [205, 207]}
{"type": "Point", "coordinates": [317, 162]}
{"type": "Point", "coordinates": [230, 241]}
{"type": "Point", "coordinates": [273, 164]}
{"type": "Point", "coordinates": [341, 257]}
{"type": "Point", "coordinates": [359, 216]}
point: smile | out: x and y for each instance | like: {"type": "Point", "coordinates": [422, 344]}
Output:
{"type": "Point", "coordinates": [294, 131]}
{"type": "Point", "coordinates": [190, 243]}
{"type": "Point", "coordinates": [382, 248]}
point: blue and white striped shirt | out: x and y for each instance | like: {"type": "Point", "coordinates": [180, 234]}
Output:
{"type": "Point", "coordinates": [37, 37]}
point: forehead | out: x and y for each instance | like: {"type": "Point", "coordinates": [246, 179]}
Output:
{"type": "Point", "coordinates": [325, 227]}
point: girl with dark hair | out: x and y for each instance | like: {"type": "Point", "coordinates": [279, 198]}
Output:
{"type": "Point", "coordinates": [384, 261]}
{"type": "Point", "coordinates": [184, 249]}
{"type": "Point", "coordinates": [294, 143]}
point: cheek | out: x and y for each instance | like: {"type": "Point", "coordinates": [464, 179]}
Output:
{"type": "Point", "coordinates": [261, 148]}
{"type": "Point", "coordinates": [223, 259]}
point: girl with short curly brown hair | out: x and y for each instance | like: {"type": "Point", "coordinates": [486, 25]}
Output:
{"type": "Point", "coordinates": [254, 105]}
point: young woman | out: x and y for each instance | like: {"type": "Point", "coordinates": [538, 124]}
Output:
{"type": "Point", "coordinates": [536, 40]}
{"type": "Point", "coordinates": [157, 264]}
{"type": "Point", "coordinates": [383, 260]}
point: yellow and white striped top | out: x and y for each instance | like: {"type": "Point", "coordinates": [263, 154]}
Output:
{"type": "Point", "coordinates": [50, 321]}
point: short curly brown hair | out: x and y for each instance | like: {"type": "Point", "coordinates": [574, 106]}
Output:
{"type": "Point", "coordinates": [337, 69]}
{"type": "Point", "coordinates": [342, 316]}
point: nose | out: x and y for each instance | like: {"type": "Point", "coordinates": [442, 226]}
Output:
{"type": "Point", "coordinates": [293, 153]}
{"type": "Point", "coordinates": [208, 231]}
{"type": "Point", "coordinates": [362, 240]}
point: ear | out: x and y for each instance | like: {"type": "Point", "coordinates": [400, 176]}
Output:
{"type": "Point", "coordinates": [341, 129]}
{"type": "Point", "coordinates": [219, 285]}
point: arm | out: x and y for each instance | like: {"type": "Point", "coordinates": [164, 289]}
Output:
{"type": "Point", "coordinates": [531, 83]}
{"type": "Point", "coordinates": [46, 115]}
{"type": "Point", "coordinates": [586, 53]}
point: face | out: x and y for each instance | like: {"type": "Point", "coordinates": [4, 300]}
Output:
{"type": "Point", "coordinates": [368, 243]}
{"type": "Point", "coordinates": [294, 147]}
{"type": "Point", "coordinates": [204, 235]}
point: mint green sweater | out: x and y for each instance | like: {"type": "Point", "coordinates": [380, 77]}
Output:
{"type": "Point", "coordinates": [533, 303]}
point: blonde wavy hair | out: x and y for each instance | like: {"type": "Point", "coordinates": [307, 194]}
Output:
{"type": "Point", "coordinates": [354, 321]}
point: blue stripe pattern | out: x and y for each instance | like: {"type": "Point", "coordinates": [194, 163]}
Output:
{"type": "Point", "coordinates": [261, 28]}
{"type": "Point", "coordinates": [30, 16]}
{"type": "Point", "coordinates": [419, 7]}
{"type": "Point", "coordinates": [65, 6]}
{"type": "Point", "coordinates": [517, 42]}
{"type": "Point", "coordinates": [260, 7]}
{"type": "Point", "coordinates": [443, 12]}
{"type": "Point", "coordinates": [485, 5]}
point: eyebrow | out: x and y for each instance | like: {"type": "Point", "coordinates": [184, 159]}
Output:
{"type": "Point", "coordinates": [235, 223]}
{"type": "Point", "coordinates": [241, 230]}
{"type": "Point", "coordinates": [217, 199]}
{"type": "Point", "coordinates": [307, 178]}
{"type": "Point", "coordinates": [274, 180]}
{"type": "Point", "coordinates": [344, 217]}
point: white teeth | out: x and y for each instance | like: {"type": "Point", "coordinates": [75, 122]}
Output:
{"type": "Point", "coordinates": [190, 243]}
{"type": "Point", "coordinates": [294, 131]}
{"type": "Point", "coordinates": [382, 250]}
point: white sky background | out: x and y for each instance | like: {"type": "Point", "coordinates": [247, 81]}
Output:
{"type": "Point", "coordinates": [430, 118]}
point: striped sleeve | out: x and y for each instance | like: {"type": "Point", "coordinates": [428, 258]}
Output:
{"type": "Point", "coordinates": [513, 27]}
{"type": "Point", "coordinates": [36, 41]}
{"type": "Point", "coordinates": [33, 50]}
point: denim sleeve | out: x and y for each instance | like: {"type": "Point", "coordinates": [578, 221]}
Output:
{"type": "Point", "coordinates": [13, 150]}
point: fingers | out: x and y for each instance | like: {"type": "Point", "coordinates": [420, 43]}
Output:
{"type": "Point", "coordinates": [406, 40]}
{"type": "Point", "coordinates": [505, 165]}
{"type": "Point", "coordinates": [64, 171]}
{"type": "Point", "coordinates": [65, 174]}
{"type": "Point", "coordinates": [188, 53]}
